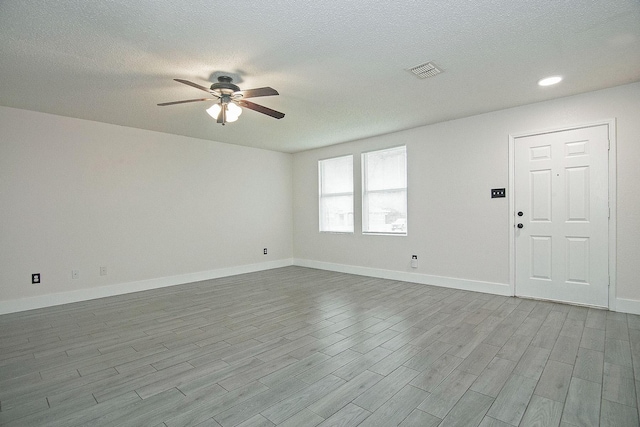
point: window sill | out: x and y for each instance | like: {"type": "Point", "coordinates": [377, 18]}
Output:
{"type": "Point", "coordinates": [382, 233]}
{"type": "Point", "coordinates": [336, 232]}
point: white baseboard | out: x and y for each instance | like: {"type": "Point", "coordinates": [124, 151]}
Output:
{"type": "Point", "coordinates": [40, 301]}
{"type": "Point", "coordinates": [630, 306]}
{"type": "Point", "coordinates": [425, 279]}
{"type": "Point", "coordinates": [13, 306]}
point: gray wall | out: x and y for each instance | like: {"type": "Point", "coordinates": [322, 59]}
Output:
{"type": "Point", "coordinates": [160, 209]}
{"type": "Point", "coordinates": [76, 194]}
{"type": "Point", "coordinates": [460, 235]}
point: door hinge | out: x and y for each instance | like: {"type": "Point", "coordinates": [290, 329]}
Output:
{"type": "Point", "coordinates": [609, 144]}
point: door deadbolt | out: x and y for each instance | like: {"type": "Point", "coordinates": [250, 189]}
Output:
{"type": "Point", "coordinates": [520, 213]}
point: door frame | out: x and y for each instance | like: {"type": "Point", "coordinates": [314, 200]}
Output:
{"type": "Point", "coordinates": [611, 126]}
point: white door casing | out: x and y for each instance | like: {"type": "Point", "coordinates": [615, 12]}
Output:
{"type": "Point", "coordinates": [561, 186]}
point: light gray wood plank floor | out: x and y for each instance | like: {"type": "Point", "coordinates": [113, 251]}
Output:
{"type": "Point", "coordinates": [302, 347]}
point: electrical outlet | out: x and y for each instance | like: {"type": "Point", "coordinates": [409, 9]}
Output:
{"type": "Point", "coordinates": [75, 274]}
{"type": "Point", "coordinates": [265, 251]}
{"type": "Point", "coordinates": [35, 278]}
{"type": "Point", "coordinates": [498, 193]}
{"type": "Point", "coordinates": [414, 261]}
{"type": "Point", "coordinates": [103, 271]}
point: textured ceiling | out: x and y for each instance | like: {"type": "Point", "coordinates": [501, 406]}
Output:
{"type": "Point", "coordinates": [339, 66]}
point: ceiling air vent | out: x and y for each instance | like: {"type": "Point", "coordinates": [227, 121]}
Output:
{"type": "Point", "coordinates": [425, 70]}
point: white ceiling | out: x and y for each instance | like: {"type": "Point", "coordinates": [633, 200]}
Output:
{"type": "Point", "coordinates": [340, 66]}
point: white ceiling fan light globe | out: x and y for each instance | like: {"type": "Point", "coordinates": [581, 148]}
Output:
{"type": "Point", "coordinates": [234, 109]}
{"type": "Point", "coordinates": [214, 111]}
{"type": "Point", "coordinates": [233, 112]}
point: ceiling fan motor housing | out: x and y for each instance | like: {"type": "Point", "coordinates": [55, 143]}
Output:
{"type": "Point", "coordinates": [225, 86]}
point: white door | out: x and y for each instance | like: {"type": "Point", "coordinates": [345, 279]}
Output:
{"type": "Point", "coordinates": [562, 216]}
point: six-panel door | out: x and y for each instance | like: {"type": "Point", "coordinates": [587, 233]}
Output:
{"type": "Point", "coordinates": [561, 191]}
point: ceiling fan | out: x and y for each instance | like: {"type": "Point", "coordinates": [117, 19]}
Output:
{"type": "Point", "coordinates": [229, 98]}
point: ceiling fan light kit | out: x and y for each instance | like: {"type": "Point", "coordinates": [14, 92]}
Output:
{"type": "Point", "coordinates": [231, 114]}
{"type": "Point", "coordinates": [229, 98]}
{"type": "Point", "coordinates": [215, 110]}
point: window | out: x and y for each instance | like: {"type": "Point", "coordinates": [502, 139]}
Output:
{"type": "Point", "coordinates": [336, 194]}
{"type": "Point", "coordinates": [384, 191]}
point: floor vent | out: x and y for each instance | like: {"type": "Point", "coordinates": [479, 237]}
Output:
{"type": "Point", "coordinates": [425, 70]}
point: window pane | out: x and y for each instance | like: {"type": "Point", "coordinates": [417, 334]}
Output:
{"type": "Point", "coordinates": [384, 192]}
{"type": "Point", "coordinates": [337, 175]}
{"type": "Point", "coordinates": [336, 194]}
{"type": "Point", "coordinates": [387, 212]}
{"type": "Point", "coordinates": [336, 213]}
{"type": "Point", "coordinates": [386, 169]}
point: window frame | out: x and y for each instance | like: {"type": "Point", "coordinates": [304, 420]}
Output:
{"type": "Point", "coordinates": [365, 192]}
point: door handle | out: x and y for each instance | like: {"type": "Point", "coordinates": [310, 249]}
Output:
{"type": "Point", "coordinates": [520, 213]}
{"type": "Point", "coordinates": [520, 225]}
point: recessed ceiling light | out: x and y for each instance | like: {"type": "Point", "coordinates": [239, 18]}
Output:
{"type": "Point", "coordinates": [548, 81]}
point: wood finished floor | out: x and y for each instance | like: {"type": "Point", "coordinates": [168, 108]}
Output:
{"type": "Point", "coordinates": [299, 347]}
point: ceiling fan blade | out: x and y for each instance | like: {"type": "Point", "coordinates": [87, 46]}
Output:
{"type": "Point", "coordinates": [196, 85]}
{"type": "Point", "coordinates": [183, 102]}
{"type": "Point", "coordinates": [261, 91]}
{"type": "Point", "coordinates": [260, 109]}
